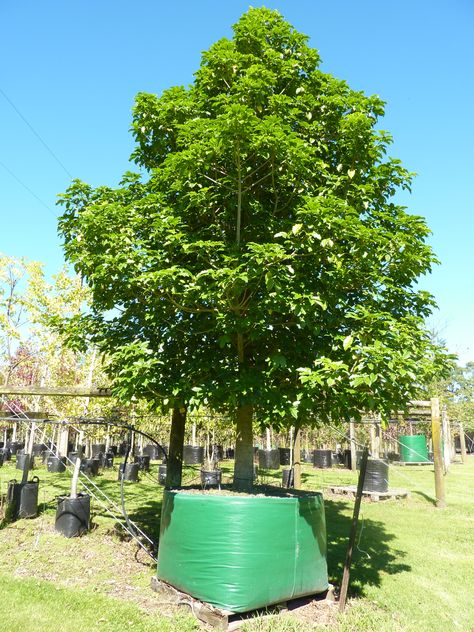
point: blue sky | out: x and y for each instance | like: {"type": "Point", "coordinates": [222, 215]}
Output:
{"type": "Point", "coordinates": [72, 69]}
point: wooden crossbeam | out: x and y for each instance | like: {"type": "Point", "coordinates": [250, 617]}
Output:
{"type": "Point", "coordinates": [56, 391]}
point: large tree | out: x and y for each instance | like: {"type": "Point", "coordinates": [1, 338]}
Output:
{"type": "Point", "coordinates": [263, 265]}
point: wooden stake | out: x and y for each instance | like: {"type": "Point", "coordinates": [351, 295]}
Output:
{"type": "Point", "coordinates": [353, 533]}
{"type": "Point", "coordinates": [378, 440]}
{"type": "Point", "coordinates": [373, 446]}
{"type": "Point", "coordinates": [462, 441]}
{"type": "Point", "coordinates": [438, 454]}
{"type": "Point", "coordinates": [445, 440]}
{"type": "Point", "coordinates": [297, 459]}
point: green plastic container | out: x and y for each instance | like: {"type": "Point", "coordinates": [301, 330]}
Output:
{"type": "Point", "coordinates": [413, 449]}
{"type": "Point", "coordinates": [243, 552]}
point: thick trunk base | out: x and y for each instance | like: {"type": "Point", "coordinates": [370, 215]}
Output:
{"type": "Point", "coordinates": [174, 470]}
{"type": "Point", "coordinates": [244, 471]}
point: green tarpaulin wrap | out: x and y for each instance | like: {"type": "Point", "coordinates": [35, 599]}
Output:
{"type": "Point", "coordinates": [243, 552]}
{"type": "Point", "coordinates": [413, 449]}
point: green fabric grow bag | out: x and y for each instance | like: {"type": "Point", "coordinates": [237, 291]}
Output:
{"type": "Point", "coordinates": [413, 449]}
{"type": "Point", "coordinates": [242, 552]}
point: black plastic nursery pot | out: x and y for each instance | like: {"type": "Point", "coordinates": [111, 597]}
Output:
{"type": "Point", "coordinates": [56, 464]}
{"type": "Point", "coordinates": [90, 467]}
{"type": "Point", "coordinates": [193, 455]}
{"type": "Point", "coordinates": [376, 476]}
{"type": "Point", "coordinates": [39, 448]}
{"type": "Point", "coordinates": [73, 515]}
{"type": "Point", "coordinates": [269, 459]}
{"type": "Point", "coordinates": [6, 454]}
{"type": "Point", "coordinates": [211, 478]}
{"type": "Point", "coordinates": [46, 454]}
{"type": "Point", "coordinates": [229, 453]}
{"type": "Point", "coordinates": [107, 460]}
{"type": "Point", "coordinates": [152, 451]}
{"type": "Point", "coordinates": [143, 462]}
{"type": "Point", "coordinates": [322, 458]}
{"type": "Point", "coordinates": [269, 549]}
{"type": "Point", "coordinates": [72, 456]}
{"type": "Point", "coordinates": [348, 459]}
{"type": "Point", "coordinates": [288, 478]}
{"type": "Point", "coordinates": [22, 499]}
{"type": "Point", "coordinates": [285, 456]}
{"type": "Point", "coordinates": [129, 473]}
{"type": "Point", "coordinates": [97, 448]}
{"type": "Point", "coordinates": [156, 452]}
{"type": "Point", "coordinates": [20, 461]}
{"type": "Point", "coordinates": [218, 451]}
{"type": "Point", "coordinates": [15, 446]}
{"type": "Point", "coordinates": [162, 474]}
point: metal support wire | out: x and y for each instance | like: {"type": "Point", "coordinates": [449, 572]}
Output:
{"type": "Point", "coordinates": [131, 526]}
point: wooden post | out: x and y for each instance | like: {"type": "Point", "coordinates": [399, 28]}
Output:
{"type": "Point", "coordinates": [353, 446]}
{"type": "Point", "coordinates": [437, 453]}
{"type": "Point", "coordinates": [462, 441]}
{"type": "Point", "coordinates": [446, 440]}
{"type": "Point", "coordinates": [378, 439]}
{"type": "Point", "coordinates": [297, 459]}
{"type": "Point", "coordinates": [373, 446]}
{"type": "Point", "coordinates": [353, 533]}
{"type": "Point", "coordinates": [63, 440]}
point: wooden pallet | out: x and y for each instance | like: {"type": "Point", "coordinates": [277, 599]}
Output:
{"type": "Point", "coordinates": [351, 490]}
{"type": "Point", "coordinates": [221, 619]}
{"type": "Point", "coordinates": [404, 463]}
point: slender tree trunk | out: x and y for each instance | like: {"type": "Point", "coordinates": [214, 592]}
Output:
{"type": "Point", "coordinates": [243, 472]}
{"type": "Point", "coordinates": [174, 462]}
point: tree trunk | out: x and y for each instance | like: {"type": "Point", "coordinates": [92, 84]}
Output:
{"type": "Point", "coordinates": [174, 461]}
{"type": "Point", "coordinates": [243, 472]}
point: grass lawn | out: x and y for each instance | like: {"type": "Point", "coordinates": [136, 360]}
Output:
{"type": "Point", "coordinates": [413, 568]}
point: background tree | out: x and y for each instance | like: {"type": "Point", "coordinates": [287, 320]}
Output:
{"type": "Point", "coordinates": [263, 268]}
{"type": "Point", "coordinates": [32, 352]}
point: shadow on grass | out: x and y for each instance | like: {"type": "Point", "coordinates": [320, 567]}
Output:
{"type": "Point", "coordinates": [430, 499]}
{"type": "Point", "coordinates": [373, 555]}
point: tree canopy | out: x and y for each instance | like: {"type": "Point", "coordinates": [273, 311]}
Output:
{"type": "Point", "coordinates": [263, 261]}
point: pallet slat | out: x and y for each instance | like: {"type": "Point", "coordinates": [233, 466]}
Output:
{"type": "Point", "coordinates": [350, 491]}
{"type": "Point", "coordinates": [221, 619]}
